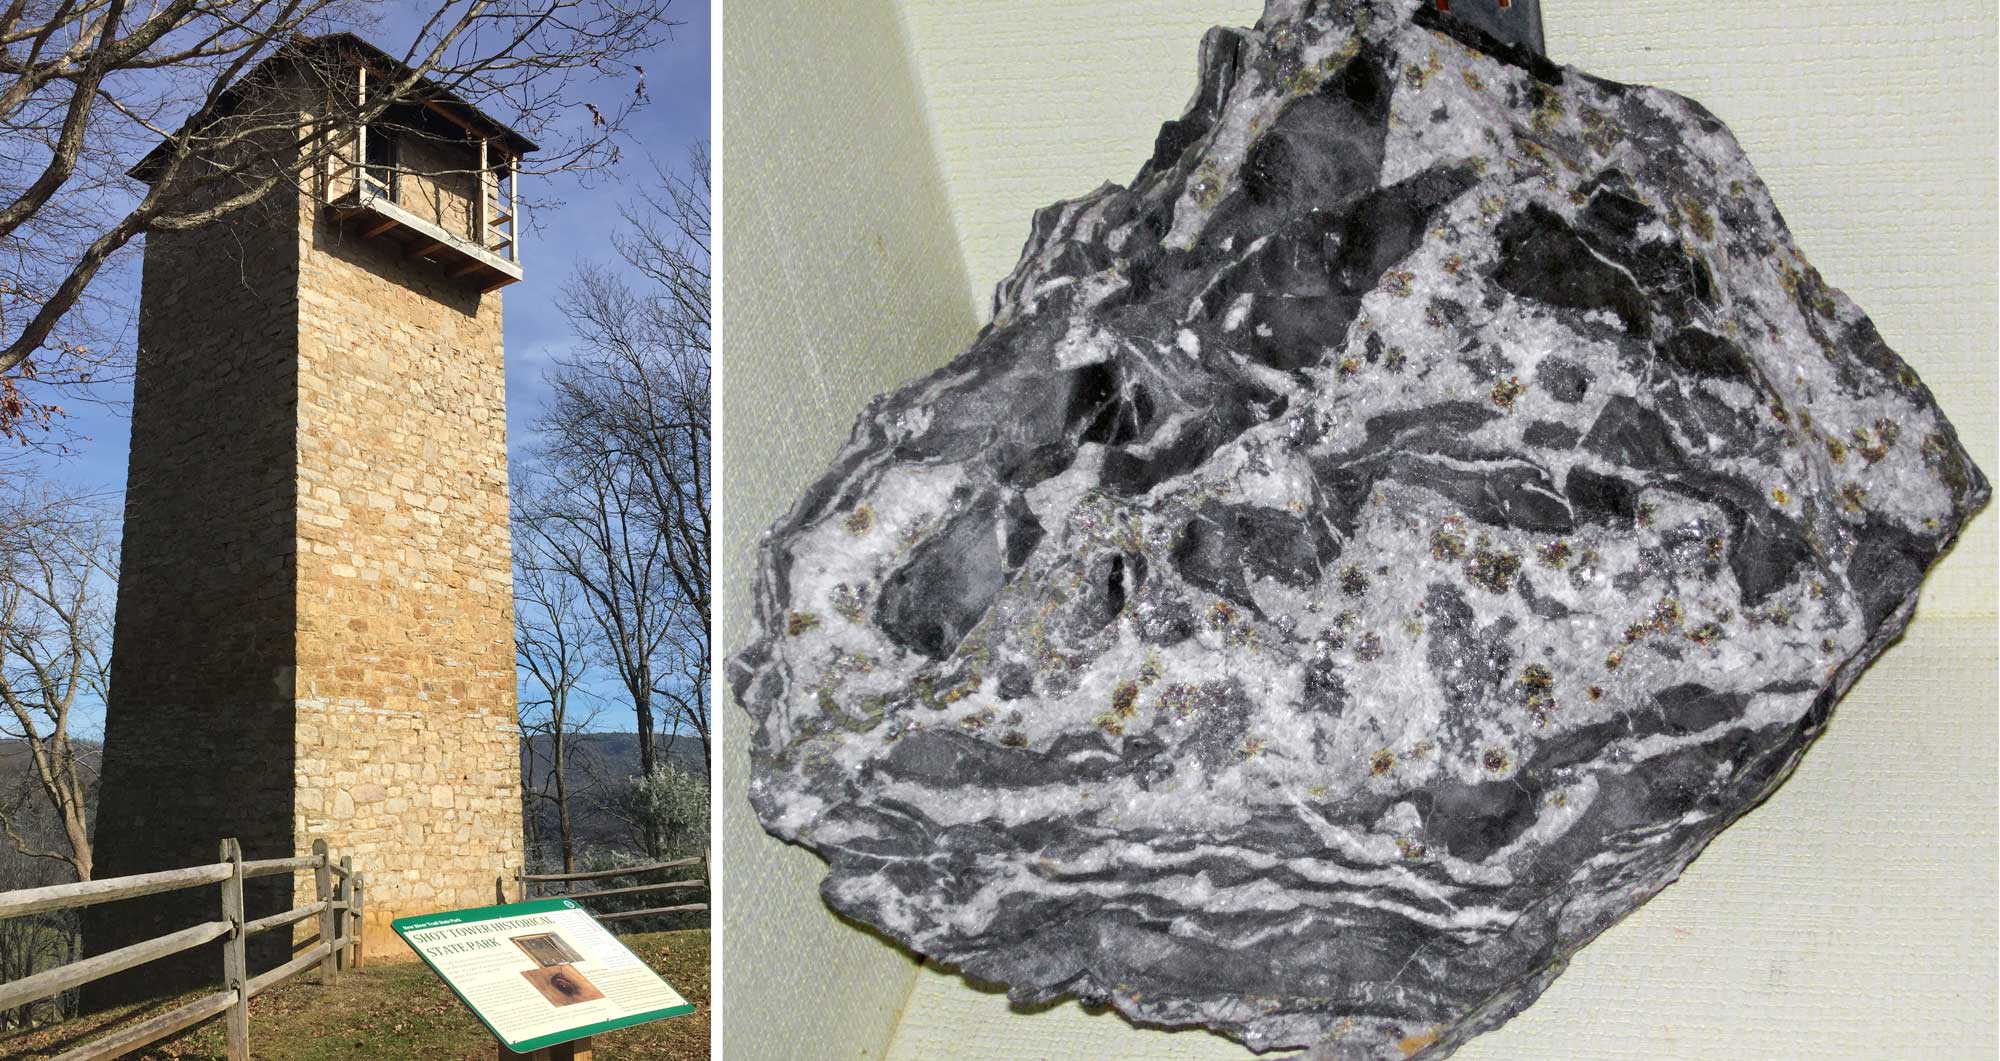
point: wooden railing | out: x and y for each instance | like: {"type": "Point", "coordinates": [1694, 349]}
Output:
{"type": "Point", "coordinates": [525, 885]}
{"type": "Point", "coordinates": [337, 906]}
{"type": "Point", "coordinates": [492, 224]}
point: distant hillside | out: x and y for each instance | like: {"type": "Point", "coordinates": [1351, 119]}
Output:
{"type": "Point", "coordinates": [617, 754]}
{"type": "Point", "coordinates": [598, 765]}
{"type": "Point", "coordinates": [15, 763]}
{"type": "Point", "coordinates": [22, 800]}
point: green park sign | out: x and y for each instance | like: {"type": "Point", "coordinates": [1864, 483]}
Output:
{"type": "Point", "coordinates": [540, 973]}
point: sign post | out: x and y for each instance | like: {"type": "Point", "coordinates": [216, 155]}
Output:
{"type": "Point", "coordinates": [543, 976]}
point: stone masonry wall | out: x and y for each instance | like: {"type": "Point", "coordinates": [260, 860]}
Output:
{"type": "Point", "coordinates": [199, 721]}
{"type": "Point", "coordinates": [314, 634]}
{"type": "Point", "coordinates": [408, 748]}
{"type": "Point", "coordinates": [437, 181]}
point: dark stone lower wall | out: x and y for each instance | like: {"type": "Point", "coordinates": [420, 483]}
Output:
{"type": "Point", "coordinates": [200, 718]}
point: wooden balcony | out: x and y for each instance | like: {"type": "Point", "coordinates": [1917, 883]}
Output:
{"type": "Point", "coordinates": [368, 210]}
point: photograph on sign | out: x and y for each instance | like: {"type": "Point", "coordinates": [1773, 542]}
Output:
{"type": "Point", "coordinates": [562, 985]}
{"type": "Point", "coordinates": [540, 973]}
{"type": "Point", "coordinates": [547, 948]}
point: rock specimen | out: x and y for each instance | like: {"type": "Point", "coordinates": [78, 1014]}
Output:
{"type": "Point", "coordinates": [1363, 560]}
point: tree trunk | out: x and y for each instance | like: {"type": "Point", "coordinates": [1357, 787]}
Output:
{"type": "Point", "coordinates": [562, 800]}
{"type": "Point", "coordinates": [642, 704]}
{"type": "Point", "coordinates": [78, 830]}
{"type": "Point", "coordinates": [531, 817]}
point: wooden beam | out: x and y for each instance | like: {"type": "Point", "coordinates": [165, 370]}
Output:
{"type": "Point", "coordinates": [453, 118]}
{"type": "Point", "coordinates": [125, 1040]}
{"type": "Point", "coordinates": [266, 867]}
{"type": "Point", "coordinates": [479, 219]}
{"type": "Point", "coordinates": [626, 914]}
{"type": "Point", "coordinates": [63, 977]}
{"type": "Point", "coordinates": [514, 208]}
{"type": "Point", "coordinates": [361, 133]}
{"type": "Point", "coordinates": [442, 109]}
{"type": "Point", "coordinates": [580, 896]}
{"type": "Point", "coordinates": [280, 920]}
{"type": "Point", "coordinates": [306, 960]}
{"type": "Point", "coordinates": [379, 227]}
{"type": "Point", "coordinates": [89, 893]}
{"type": "Point", "coordinates": [236, 1026]}
{"type": "Point", "coordinates": [626, 872]}
{"type": "Point", "coordinates": [329, 929]}
{"type": "Point", "coordinates": [468, 268]}
{"type": "Point", "coordinates": [421, 246]}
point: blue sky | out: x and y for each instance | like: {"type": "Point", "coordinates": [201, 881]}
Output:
{"type": "Point", "coordinates": [576, 226]}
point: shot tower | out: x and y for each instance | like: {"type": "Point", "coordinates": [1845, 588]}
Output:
{"type": "Point", "coordinates": [314, 632]}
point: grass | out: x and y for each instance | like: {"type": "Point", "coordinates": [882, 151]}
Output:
{"type": "Point", "coordinates": [396, 1012]}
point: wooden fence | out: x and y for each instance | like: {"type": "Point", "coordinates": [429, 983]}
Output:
{"type": "Point", "coordinates": [525, 885]}
{"type": "Point", "coordinates": [337, 907]}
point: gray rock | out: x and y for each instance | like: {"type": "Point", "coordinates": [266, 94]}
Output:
{"type": "Point", "coordinates": [1363, 560]}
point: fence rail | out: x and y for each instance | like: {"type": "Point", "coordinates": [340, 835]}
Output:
{"type": "Point", "coordinates": [525, 885]}
{"type": "Point", "coordinates": [338, 906]}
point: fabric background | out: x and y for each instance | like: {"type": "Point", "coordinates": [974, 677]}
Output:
{"type": "Point", "coordinates": [881, 167]}
{"type": "Point", "coordinates": [841, 279]}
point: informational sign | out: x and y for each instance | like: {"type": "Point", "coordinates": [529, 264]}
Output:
{"type": "Point", "coordinates": [540, 973]}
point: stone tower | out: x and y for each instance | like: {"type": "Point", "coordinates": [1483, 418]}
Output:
{"type": "Point", "coordinates": [314, 633]}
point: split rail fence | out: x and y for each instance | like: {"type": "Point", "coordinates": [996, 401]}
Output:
{"type": "Point", "coordinates": [337, 907]}
{"type": "Point", "coordinates": [526, 884]}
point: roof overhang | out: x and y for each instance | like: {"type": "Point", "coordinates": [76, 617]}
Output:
{"type": "Point", "coordinates": [359, 53]}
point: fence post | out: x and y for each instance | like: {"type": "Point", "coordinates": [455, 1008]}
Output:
{"type": "Point", "coordinates": [339, 916]}
{"type": "Point", "coordinates": [521, 883]}
{"type": "Point", "coordinates": [329, 968]}
{"type": "Point", "coordinates": [360, 925]}
{"type": "Point", "coordinates": [235, 974]}
{"type": "Point", "coordinates": [347, 914]}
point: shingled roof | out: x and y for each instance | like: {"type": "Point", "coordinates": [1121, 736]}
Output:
{"type": "Point", "coordinates": [426, 92]}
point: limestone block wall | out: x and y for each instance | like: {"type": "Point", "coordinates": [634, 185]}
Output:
{"type": "Point", "coordinates": [314, 637]}
{"type": "Point", "coordinates": [407, 743]}
{"type": "Point", "coordinates": [437, 180]}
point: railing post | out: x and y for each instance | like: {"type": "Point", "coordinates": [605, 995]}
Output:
{"type": "Point", "coordinates": [329, 968]}
{"type": "Point", "coordinates": [480, 212]}
{"type": "Point", "coordinates": [361, 135]}
{"type": "Point", "coordinates": [521, 883]}
{"type": "Point", "coordinates": [360, 925]}
{"type": "Point", "coordinates": [235, 973]}
{"type": "Point", "coordinates": [343, 897]}
{"type": "Point", "coordinates": [347, 915]}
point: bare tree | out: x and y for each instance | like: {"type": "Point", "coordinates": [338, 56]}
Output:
{"type": "Point", "coordinates": [57, 566]}
{"type": "Point", "coordinates": [630, 416]}
{"type": "Point", "coordinates": [580, 518]}
{"type": "Point", "coordinates": [35, 942]}
{"type": "Point", "coordinates": [551, 645]}
{"type": "Point", "coordinates": [87, 87]}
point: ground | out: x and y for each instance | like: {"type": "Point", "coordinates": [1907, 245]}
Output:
{"type": "Point", "coordinates": [398, 1012]}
